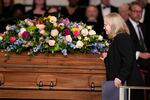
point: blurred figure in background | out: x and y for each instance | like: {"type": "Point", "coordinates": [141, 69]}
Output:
{"type": "Point", "coordinates": [146, 17]}
{"type": "Point", "coordinates": [124, 11]}
{"type": "Point", "coordinates": [83, 3]}
{"type": "Point", "coordinates": [105, 7]}
{"type": "Point", "coordinates": [138, 35]}
{"type": "Point", "coordinates": [54, 11]}
{"type": "Point", "coordinates": [6, 7]}
{"type": "Point", "coordinates": [39, 9]}
{"type": "Point", "coordinates": [73, 11]}
{"type": "Point", "coordinates": [1, 9]}
{"type": "Point", "coordinates": [17, 11]}
{"type": "Point", "coordinates": [92, 18]}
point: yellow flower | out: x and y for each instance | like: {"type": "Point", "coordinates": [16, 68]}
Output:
{"type": "Point", "coordinates": [75, 29]}
{"type": "Point", "coordinates": [45, 18]}
{"type": "Point", "coordinates": [49, 17]}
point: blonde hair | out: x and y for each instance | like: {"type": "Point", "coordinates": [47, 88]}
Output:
{"type": "Point", "coordinates": [116, 23]}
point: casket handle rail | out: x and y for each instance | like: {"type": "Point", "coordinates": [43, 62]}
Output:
{"type": "Point", "coordinates": [46, 81]}
{"type": "Point", "coordinates": [1, 79]}
{"type": "Point", "coordinates": [94, 82]}
{"type": "Point", "coordinates": [92, 86]}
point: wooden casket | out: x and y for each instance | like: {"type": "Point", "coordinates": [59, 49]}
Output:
{"type": "Point", "coordinates": [54, 77]}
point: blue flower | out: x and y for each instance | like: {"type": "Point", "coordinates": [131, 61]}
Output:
{"type": "Point", "coordinates": [64, 52]}
{"type": "Point", "coordinates": [94, 50]}
{"type": "Point", "coordinates": [71, 45]}
{"type": "Point", "coordinates": [19, 42]}
{"type": "Point", "coordinates": [36, 49]}
{"type": "Point", "coordinates": [100, 46]}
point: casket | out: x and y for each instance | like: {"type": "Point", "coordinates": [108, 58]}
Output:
{"type": "Point", "coordinates": [77, 76]}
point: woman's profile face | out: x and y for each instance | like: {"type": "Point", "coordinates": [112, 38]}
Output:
{"type": "Point", "coordinates": [107, 27]}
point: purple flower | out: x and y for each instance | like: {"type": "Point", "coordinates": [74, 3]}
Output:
{"type": "Point", "coordinates": [65, 22]}
{"type": "Point", "coordinates": [25, 35]}
{"type": "Point", "coordinates": [66, 32]}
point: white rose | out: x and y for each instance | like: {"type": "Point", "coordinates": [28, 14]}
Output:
{"type": "Point", "coordinates": [1, 38]}
{"type": "Point", "coordinates": [53, 19]}
{"type": "Point", "coordinates": [54, 32]}
{"type": "Point", "coordinates": [89, 27]}
{"type": "Point", "coordinates": [55, 24]}
{"type": "Point", "coordinates": [106, 43]}
{"type": "Point", "coordinates": [79, 44]}
{"type": "Point", "coordinates": [8, 28]}
{"type": "Point", "coordinates": [86, 39]}
{"type": "Point", "coordinates": [68, 38]}
{"type": "Point", "coordinates": [100, 38]}
{"type": "Point", "coordinates": [51, 42]}
{"type": "Point", "coordinates": [28, 22]}
{"type": "Point", "coordinates": [80, 27]}
{"type": "Point", "coordinates": [79, 37]}
{"type": "Point", "coordinates": [40, 26]}
{"type": "Point", "coordinates": [22, 30]}
{"type": "Point", "coordinates": [84, 32]}
{"type": "Point", "coordinates": [92, 32]}
{"type": "Point", "coordinates": [43, 32]}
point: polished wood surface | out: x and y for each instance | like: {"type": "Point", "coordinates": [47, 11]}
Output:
{"type": "Point", "coordinates": [75, 77]}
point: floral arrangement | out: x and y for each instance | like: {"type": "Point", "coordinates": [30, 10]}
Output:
{"type": "Point", "coordinates": [50, 35]}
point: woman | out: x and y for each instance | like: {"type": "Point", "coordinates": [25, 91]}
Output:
{"type": "Point", "coordinates": [73, 12]}
{"type": "Point", "coordinates": [6, 7]}
{"type": "Point", "coordinates": [39, 8]}
{"type": "Point", "coordinates": [120, 61]}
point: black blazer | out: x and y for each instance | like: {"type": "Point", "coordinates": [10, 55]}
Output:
{"type": "Point", "coordinates": [113, 8]}
{"type": "Point", "coordinates": [100, 17]}
{"type": "Point", "coordinates": [121, 61]}
{"type": "Point", "coordinates": [134, 36]}
{"type": "Point", "coordinates": [147, 23]}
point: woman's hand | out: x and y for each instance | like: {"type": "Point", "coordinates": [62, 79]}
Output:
{"type": "Point", "coordinates": [117, 82]}
{"type": "Point", "coordinates": [103, 55]}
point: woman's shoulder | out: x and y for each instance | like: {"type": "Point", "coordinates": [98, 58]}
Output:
{"type": "Point", "coordinates": [123, 35]}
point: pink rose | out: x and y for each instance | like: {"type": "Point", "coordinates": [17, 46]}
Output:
{"type": "Point", "coordinates": [19, 34]}
{"type": "Point", "coordinates": [12, 39]}
{"type": "Point", "coordinates": [40, 26]}
{"type": "Point", "coordinates": [76, 33]}
{"type": "Point", "coordinates": [51, 42]}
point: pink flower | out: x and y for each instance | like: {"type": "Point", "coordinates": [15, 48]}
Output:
{"type": "Point", "coordinates": [54, 32]}
{"type": "Point", "coordinates": [25, 35]}
{"type": "Point", "coordinates": [19, 34]}
{"type": "Point", "coordinates": [12, 39]}
{"type": "Point", "coordinates": [51, 42]}
{"type": "Point", "coordinates": [75, 31]}
{"type": "Point", "coordinates": [40, 26]}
